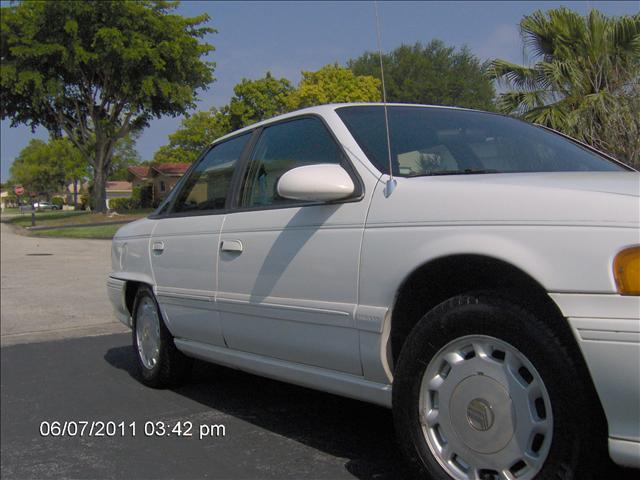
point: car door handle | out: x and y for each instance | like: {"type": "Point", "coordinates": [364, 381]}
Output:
{"type": "Point", "coordinates": [231, 246]}
{"type": "Point", "coordinates": [157, 247]}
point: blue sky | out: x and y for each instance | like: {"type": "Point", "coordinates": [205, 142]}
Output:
{"type": "Point", "coordinates": [287, 37]}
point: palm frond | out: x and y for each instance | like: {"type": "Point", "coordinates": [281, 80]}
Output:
{"type": "Point", "coordinates": [516, 76]}
{"type": "Point", "coordinates": [518, 103]}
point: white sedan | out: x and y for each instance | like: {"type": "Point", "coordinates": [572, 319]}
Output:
{"type": "Point", "coordinates": [491, 299]}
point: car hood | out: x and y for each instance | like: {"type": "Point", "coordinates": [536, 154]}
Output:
{"type": "Point", "coordinates": [567, 198]}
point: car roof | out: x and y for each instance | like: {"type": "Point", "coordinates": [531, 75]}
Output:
{"type": "Point", "coordinates": [324, 109]}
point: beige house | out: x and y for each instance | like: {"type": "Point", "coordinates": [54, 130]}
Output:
{"type": "Point", "coordinates": [118, 190]}
{"type": "Point", "coordinates": [156, 181]}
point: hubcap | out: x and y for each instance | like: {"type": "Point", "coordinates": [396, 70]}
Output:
{"type": "Point", "coordinates": [484, 410]}
{"type": "Point", "coordinates": [148, 332]}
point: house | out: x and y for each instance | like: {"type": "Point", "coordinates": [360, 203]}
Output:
{"type": "Point", "coordinates": [4, 199]}
{"type": "Point", "coordinates": [118, 190]}
{"type": "Point", "coordinates": [156, 181]}
{"type": "Point", "coordinates": [78, 187]}
{"type": "Point", "coordinates": [138, 175]}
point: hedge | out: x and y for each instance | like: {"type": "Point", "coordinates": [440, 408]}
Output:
{"type": "Point", "coordinates": [121, 205]}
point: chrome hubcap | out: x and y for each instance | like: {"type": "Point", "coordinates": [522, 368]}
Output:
{"type": "Point", "coordinates": [148, 332]}
{"type": "Point", "coordinates": [485, 412]}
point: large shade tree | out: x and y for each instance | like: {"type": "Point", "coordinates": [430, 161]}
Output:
{"type": "Point", "coordinates": [99, 70]}
{"type": "Point", "coordinates": [584, 80]}
{"type": "Point", "coordinates": [256, 100]}
{"type": "Point", "coordinates": [195, 133]}
{"type": "Point", "coordinates": [125, 155]}
{"type": "Point", "coordinates": [333, 84]}
{"type": "Point", "coordinates": [432, 74]}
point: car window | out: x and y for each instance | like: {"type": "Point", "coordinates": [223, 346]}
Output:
{"type": "Point", "coordinates": [209, 182]}
{"type": "Point", "coordinates": [281, 147]}
{"type": "Point", "coordinates": [437, 141]}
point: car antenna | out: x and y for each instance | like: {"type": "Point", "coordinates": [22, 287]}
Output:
{"type": "Point", "coordinates": [391, 182]}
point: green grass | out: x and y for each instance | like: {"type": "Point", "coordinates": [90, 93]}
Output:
{"type": "Point", "coordinates": [75, 218]}
{"type": "Point", "coordinates": [10, 211]}
{"type": "Point", "coordinates": [45, 218]}
{"type": "Point", "coordinates": [100, 231]}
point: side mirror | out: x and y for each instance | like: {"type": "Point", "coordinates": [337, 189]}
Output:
{"type": "Point", "coordinates": [316, 183]}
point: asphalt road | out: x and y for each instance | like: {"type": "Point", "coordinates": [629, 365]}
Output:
{"type": "Point", "coordinates": [272, 429]}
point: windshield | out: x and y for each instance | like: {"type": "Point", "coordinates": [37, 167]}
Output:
{"type": "Point", "coordinates": [439, 141]}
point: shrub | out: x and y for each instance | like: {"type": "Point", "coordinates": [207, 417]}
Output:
{"type": "Point", "coordinates": [136, 198]}
{"type": "Point", "coordinates": [120, 205]}
{"type": "Point", "coordinates": [58, 201]}
{"type": "Point", "coordinates": [84, 201]}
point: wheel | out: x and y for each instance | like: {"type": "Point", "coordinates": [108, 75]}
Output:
{"type": "Point", "coordinates": [484, 390]}
{"type": "Point", "coordinates": [160, 363]}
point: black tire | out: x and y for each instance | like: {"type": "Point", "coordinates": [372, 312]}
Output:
{"type": "Point", "coordinates": [172, 366]}
{"type": "Point", "coordinates": [573, 453]}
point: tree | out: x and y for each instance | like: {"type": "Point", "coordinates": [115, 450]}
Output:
{"type": "Point", "coordinates": [74, 165]}
{"type": "Point", "coordinates": [124, 156]}
{"type": "Point", "coordinates": [585, 79]}
{"type": "Point", "coordinates": [99, 70]}
{"type": "Point", "coordinates": [256, 100]}
{"type": "Point", "coordinates": [333, 84]}
{"type": "Point", "coordinates": [195, 133]}
{"type": "Point", "coordinates": [431, 74]}
{"type": "Point", "coordinates": [38, 170]}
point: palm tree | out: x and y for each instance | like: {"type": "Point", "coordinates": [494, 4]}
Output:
{"type": "Point", "coordinates": [585, 80]}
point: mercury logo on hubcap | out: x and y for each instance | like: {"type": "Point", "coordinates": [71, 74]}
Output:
{"type": "Point", "coordinates": [479, 415]}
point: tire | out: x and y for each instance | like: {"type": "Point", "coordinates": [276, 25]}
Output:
{"type": "Point", "coordinates": [160, 364]}
{"type": "Point", "coordinates": [498, 391]}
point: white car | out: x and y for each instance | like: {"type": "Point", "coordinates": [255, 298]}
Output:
{"type": "Point", "coordinates": [490, 298]}
{"type": "Point", "coordinates": [46, 206]}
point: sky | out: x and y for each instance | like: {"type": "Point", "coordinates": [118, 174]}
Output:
{"type": "Point", "coordinates": [289, 37]}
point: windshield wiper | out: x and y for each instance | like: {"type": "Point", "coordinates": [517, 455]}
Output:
{"type": "Point", "coordinates": [466, 171]}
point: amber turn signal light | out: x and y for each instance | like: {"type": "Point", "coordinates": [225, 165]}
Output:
{"type": "Point", "coordinates": [626, 271]}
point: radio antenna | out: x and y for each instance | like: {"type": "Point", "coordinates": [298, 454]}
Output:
{"type": "Point", "coordinates": [391, 182]}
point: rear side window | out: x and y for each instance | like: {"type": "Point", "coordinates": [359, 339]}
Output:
{"type": "Point", "coordinates": [209, 182]}
{"type": "Point", "coordinates": [281, 147]}
{"type": "Point", "coordinates": [440, 141]}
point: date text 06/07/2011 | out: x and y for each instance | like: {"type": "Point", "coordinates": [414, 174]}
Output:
{"type": "Point", "coordinates": [99, 428]}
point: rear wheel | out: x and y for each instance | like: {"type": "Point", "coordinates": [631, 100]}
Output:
{"type": "Point", "coordinates": [159, 362]}
{"type": "Point", "coordinates": [485, 390]}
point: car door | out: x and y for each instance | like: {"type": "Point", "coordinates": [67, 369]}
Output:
{"type": "Point", "coordinates": [289, 270]}
{"type": "Point", "coordinates": [184, 245]}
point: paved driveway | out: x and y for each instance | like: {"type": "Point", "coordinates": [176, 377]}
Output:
{"type": "Point", "coordinates": [53, 288]}
{"type": "Point", "coordinates": [272, 430]}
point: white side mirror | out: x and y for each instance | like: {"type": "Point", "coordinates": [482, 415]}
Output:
{"type": "Point", "coordinates": [316, 183]}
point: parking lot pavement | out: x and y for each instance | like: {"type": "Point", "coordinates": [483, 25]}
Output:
{"type": "Point", "coordinates": [272, 429]}
{"type": "Point", "coordinates": [53, 288]}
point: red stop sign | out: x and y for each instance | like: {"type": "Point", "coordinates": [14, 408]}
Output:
{"type": "Point", "coordinates": [19, 190]}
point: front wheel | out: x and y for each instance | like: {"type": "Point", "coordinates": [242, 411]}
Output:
{"type": "Point", "coordinates": [484, 390]}
{"type": "Point", "coordinates": [159, 362]}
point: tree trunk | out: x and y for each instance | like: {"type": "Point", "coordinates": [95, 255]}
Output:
{"type": "Point", "coordinates": [99, 190]}
{"type": "Point", "coordinates": [104, 152]}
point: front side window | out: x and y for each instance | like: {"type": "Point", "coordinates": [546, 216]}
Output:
{"type": "Point", "coordinates": [440, 141]}
{"type": "Point", "coordinates": [281, 147]}
{"type": "Point", "coordinates": [209, 182]}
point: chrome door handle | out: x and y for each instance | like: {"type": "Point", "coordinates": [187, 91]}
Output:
{"type": "Point", "coordinates": [231, 246]}
{"type": "Point", "coordinates": [157, 247]}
